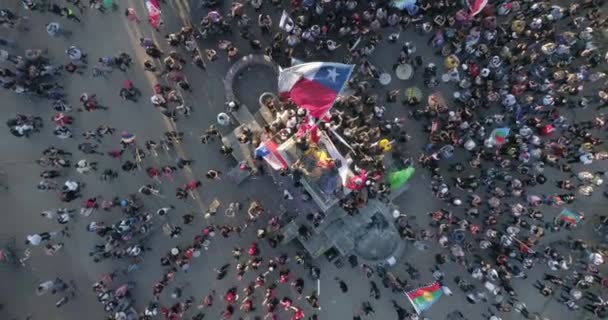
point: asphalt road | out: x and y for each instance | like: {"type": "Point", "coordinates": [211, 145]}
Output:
{"type": "Point", "coordinates": [109, 34]}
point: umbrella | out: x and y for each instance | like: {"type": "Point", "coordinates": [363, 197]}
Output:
{"type": "Point", "coordinates": [452, 61]}
{"type": "Point", "coordinates": [499, 135]}
{"type": "Point", "coordinates": [404, 71]}
{"type": "Point", "coordinates": [413, 92]}
{"type": "Point", "coordinates": [385, 79]}
{"type": "Point", "coordinates": [214, 16]}
{"type": "Point", "coordinates": [127, 137]}
{"type": "Point", "coordinates": [398, 178]}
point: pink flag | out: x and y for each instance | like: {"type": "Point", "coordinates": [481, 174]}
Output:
{"type": "Point", "coordinates": [476, 7]}
{"type": "Point", "coordinates": [153, 13]}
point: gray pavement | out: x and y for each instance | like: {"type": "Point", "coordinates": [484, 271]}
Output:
{"type": "Point", "coordinates": [109, 34]}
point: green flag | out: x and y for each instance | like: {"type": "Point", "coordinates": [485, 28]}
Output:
{"type": "Point", "coordinates": [398, 178]}
{"type": "Point", "coordinates": [108, 3]}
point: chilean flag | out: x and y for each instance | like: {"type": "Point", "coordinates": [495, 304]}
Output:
{"type": "Point", "coordinates": [268, 151]}
{"type": "Point", "coordinates": [153, 13]}
{"type": "Point", "coordinates": [309, 127]}
{"type": "Point", "coordinates": [314, 86]}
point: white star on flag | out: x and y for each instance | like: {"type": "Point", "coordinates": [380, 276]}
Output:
{"type": "Point", "coordinates": [332, 74]}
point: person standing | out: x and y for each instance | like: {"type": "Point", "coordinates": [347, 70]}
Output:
{"type": "Point", "coordinates": [131, 15]}
{"type": "Point", "coordinates": [69, 13]}
{"type": "Point", "coordinates": [54, 30]}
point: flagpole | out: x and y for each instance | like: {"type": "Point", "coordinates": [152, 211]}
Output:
{"type": "Point", "coordinates": [411, 302]}
{"type": "Point", "coordinates": [348, 77]}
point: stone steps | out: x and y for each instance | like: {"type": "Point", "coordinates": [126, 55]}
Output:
{"type": "Point", "coordinates": [264, 111]}
{"type": "Point", "coordinates": [333, 214]}
{"type": "Point", "coordinates": [266, 114]}
{"type": "Point", "coordinates": [244, 117]}
{"type": "Point", "coordinates": [241, 152]}
{"type": "Point", "coordinates": [316, 245]}
{"type": "Point", "coordinates": [290, 231]}
{"type": "Point", "coordinates": [237, 175]}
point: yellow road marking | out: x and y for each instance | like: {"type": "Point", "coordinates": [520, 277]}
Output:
{"type": "Point", "coordinates": [135, 34]}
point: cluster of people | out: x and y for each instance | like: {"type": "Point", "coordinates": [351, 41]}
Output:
{"type": "Point", "coordinates": [117, 300]}
{"type": "Point", "coordinates": [23, 125]}
{"type": "Point", "coordinates": [58, 286]}
{"type": "Point", "coordinates": [517, 70]}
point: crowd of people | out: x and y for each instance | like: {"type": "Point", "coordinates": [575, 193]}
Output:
{"type": "Point", "coordinates": [517, 71]}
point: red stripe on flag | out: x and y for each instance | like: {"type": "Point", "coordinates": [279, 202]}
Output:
{"type": "Point", "coordinates": [272, 147]}
{"type": "Point", "coordinates": [313, 96]}
{"type": "Point", "coordinates": [420, 291]}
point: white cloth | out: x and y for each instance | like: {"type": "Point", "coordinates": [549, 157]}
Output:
{"type": "Point", "coordinates": [596, 259]}
{"type": "Point", "coordinates": [71, 185]}
{"type": "Point", "coordinates": [74, 53]}
{"type": "Point", "coordinates": [446, 290]}
{"type": "Point", "coordinates": [47, 285]}
{"type": "Point", "coordinates": [34, 239]}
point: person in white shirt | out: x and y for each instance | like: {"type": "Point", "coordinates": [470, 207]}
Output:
{"type": "Point", "coordinates": [164, 210]}
{"type": "Point", "coordinates": [33, 239]}
{"type": "Point", "coordinates": [37, 238]}
{"type": "Point", "coordinates": [332, 45]}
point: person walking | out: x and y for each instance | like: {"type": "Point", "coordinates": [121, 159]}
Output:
{"type": "Point", "coordinates": [131, 15]}
{"type": "Point", "coordinates": [37, 238]}
{"type": "Point", "coordinates": [69, 13]}
{"type": "Point", "coordinates": [54, 29]}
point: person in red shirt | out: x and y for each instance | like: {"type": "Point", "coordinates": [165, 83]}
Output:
{"type": "Point", "coordinates": [227, 314]}
{"type": "Point", "coordinates": [189, 254]}
{"type": "Point", "coordinates": [286, 303]}
{"type": "Point", "coordinates": [231, 295]}
{"type": "Point", "coordinates": [253, 249]}
{"type": "Point", "coordinates": [192, 185]}
{"type": "Point", "coordinates": [284, 276]}
{"type": "Point", "coordinates": [91, 203]}
{"type": "Point", "coordinates": [298, 315]}
{"type": "Point", "coordinates": [247, 305]}
{"type": "Point", "coordinates": [61, 119]}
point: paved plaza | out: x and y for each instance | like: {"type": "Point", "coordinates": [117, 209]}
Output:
{"type": "Point", "coordinates": [111, 33]}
